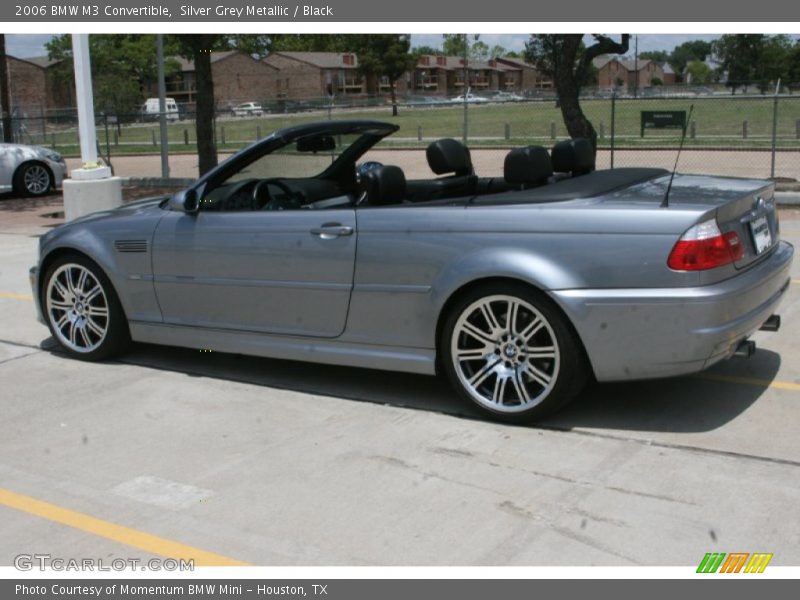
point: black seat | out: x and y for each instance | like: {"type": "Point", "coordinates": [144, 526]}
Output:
{"type": "Point", "coordinates": [384, 185]}
{"type": "Point", "coordinates": [452, 159]}
{"type": "Point", "coordinates": [573, 157]}
{"type": "Point", "coordinates": [527, 167]}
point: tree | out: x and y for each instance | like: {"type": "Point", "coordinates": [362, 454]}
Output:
{"type": "Point", "coordinates": [687, 52]}
{"type": "Point", "coordinates": [655, 55]}
{"type": "Point", "coordinates": [422, 50]}
{"type": "Point", "coordinates": [454, 44]}
{"type": "Point", "coordinates": [308, 42]}
{"type": "Point", "coordinates": [122, 66]}
{"type": "Point", "coordinates": [564, 57]}
{"type": "Point", "coordinates": [738, 56]}
{"type": "Point", "coordinates": [384, 55]}
{"type": "Point", "coordinates": [793, 67]}
{"type": "Point", "coordinates": [698, 72]}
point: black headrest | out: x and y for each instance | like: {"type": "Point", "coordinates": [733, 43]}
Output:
{"type": "Point", "coordinates": [449, 156]}
{"type": "Point", "coordinates": [574, 156]}
{"type": "Point", "coordinates": [384, 185]}
{"type": "Point", "coordinates": [527, 166]}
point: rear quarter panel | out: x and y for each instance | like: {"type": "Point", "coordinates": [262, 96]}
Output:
{"type": "Point", "coordinates": [411, 260]}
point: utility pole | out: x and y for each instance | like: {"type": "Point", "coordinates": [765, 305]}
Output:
{"type": "Point", "coordinates": [5, 99]}
{"type": "Point", "coordinates": [162, 107]}
{"type": "Point", "coordinates": [636, 65]}
{"type": "Point", "coordinates": [465, 88]}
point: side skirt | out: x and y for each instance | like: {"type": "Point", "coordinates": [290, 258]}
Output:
{"type": "Point", "coordinates": [331, 352]}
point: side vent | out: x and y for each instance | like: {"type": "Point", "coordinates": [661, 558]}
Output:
{"type": "Point", "coordinates": [131, 245]}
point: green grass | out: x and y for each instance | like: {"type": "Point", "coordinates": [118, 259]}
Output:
{"type": "Point", "coordinates": [718, 124]}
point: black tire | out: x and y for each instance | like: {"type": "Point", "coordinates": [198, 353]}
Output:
{"type": "Point", "coordinates": [81, 308]}
{"type": "Point", "coordinates": [540, 383]}
{"type": "Point", "coordinates": [33, 179]}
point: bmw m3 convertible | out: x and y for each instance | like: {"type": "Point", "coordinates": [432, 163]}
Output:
{"type": "Point", "coordinates": [518, 288]}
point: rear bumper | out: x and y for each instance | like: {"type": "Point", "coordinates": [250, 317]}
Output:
{"type": "Point", "coordinates": [644, 333]}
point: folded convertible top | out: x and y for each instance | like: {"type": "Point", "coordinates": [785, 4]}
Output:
{"type": "Point", "coordinates": [593, 184]}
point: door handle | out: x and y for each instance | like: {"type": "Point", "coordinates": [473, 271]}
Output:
{"type": "Point", "coordinates": [329, 231]}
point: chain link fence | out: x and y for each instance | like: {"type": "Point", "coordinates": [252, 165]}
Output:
{"type": "Point", "coordinates": [740, 135]}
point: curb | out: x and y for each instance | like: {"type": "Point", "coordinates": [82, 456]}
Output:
{"type": "Point", "coordinates": [176, 182]}
{"type": "Point", "coordinates": [787, 198]}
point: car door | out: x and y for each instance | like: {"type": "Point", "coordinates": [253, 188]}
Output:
{"type": "Point", "coordinates": [279, 272]}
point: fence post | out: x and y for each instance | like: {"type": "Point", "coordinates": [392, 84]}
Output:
{"type": "Point", "coordinates": [258, 132]}
{"type": "Point", "coordinates": [116, 138]}
{"type": "Point", "coordinates": [602, 130]}
{"type": "Point", "coordinates": [153, 134]}
{"type": "Point", "coordinates": [419, 133]}
{"type": "Point", "coordinates": [108, 142]}
{"type": "Point", "coordinates": [693, 130]}
{"type": "Point", "coordinates": [774, 131]}
{"type": "Point", "coordinates": [613, 124]}
{"type": "Point", "coordinates": [185, 137]}
{"type": "Point", "coordinates": [222, 133]}
{"type": "Point", "coordinates": [797, 129]}
{"type": "Point", "coordinates": [552, 130]}
{"type": "Point", "coordinates": [508, 131]}
{"type": "Point", "coordinates": [744, 130]}
{"type": "Point", "coordinates": [53, 140]}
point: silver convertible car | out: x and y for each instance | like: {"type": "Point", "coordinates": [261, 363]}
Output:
{"type": "Point", "coordinates": [518, 288]}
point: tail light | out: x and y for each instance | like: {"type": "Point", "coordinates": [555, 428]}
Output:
{"type": "Point", "coordinates": [703, 247]}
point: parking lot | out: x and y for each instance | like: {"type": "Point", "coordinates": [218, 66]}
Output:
{"type": "Point", "coordinates": [241, 460]}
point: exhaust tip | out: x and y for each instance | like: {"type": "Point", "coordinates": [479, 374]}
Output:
{"type": "Point", "coordinates": [745, 349]}
{"type": "Point", "coordinates": [773, 323]}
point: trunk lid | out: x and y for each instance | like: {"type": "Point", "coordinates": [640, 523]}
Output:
{"type": "Point", "coordinates": [745, 206]}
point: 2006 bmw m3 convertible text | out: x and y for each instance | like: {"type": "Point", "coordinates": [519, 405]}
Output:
{"type": "Point", "coordinates": [518, 288]}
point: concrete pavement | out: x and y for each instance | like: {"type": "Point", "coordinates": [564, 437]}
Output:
{"type": "Point", "coordinates": [272, 462]}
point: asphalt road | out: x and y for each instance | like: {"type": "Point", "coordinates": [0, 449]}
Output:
{"type": "Point", "coordinates": [235, 459]}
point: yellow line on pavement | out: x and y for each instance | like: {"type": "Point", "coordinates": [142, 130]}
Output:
{"type": "Point", "coordinates": [117, 533]}
{"type": "Point", "coordinates": [776, 384]}
{"type": "Point", "coordinates": [14, 296]}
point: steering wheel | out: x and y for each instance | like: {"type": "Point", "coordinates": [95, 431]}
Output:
{"type": "Point", "coordinates": [270, 203]}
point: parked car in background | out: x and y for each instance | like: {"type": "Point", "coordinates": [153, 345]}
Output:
{"type": "Point", "coordinates": [247, 109]}
{"type": "Point", "coordinates": [502, 96]}
{"type": "Point", "coordinates": [151, 109]}
{"type": "Point", "coordinates": [470, 98]}
{"type": "Point", "coordinates": [30, 170]}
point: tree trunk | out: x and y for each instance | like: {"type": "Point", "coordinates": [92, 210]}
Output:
{"type": "Point", "coordinates": [5, 101]}
{"type": "Point", "coordinates": [568, 88]}
{"type": "Point", "coordinates": [204, 123]}
{"type": "Point", "coordinates": [394, 99]}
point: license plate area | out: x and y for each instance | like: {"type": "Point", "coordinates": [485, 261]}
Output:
{"type": "Point", "coordinates": [761, 234]}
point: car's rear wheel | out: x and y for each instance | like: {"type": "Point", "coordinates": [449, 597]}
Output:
{"type": "Point", "coordinates": [509, 351]}
{"type": "Point", "coordinates": [82, 310]}
{"type": "Point", "coordinates": [33, 179]}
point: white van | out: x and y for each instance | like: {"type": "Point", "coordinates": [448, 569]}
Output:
{"type": "Point", "coordinates": [150, 109]}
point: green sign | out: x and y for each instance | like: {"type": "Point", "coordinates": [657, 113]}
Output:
{"type": "Point", "coordinates": [663, 119]}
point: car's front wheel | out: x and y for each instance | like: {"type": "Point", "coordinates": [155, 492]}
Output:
{"type": "Point", "coordinates": [82, 310]}
{"type": "Point", "coordinates": [509, 351]}
{"type": "Point", "coordinates": [33, 179]}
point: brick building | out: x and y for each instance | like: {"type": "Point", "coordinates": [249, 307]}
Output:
{"type": "Point", "coordinates": [27, 86]}
{"type": "Point", "coordinates": [615, 72]}
{"type": "Point", "coordinates": [308, 74]}
{"type": "Point", "coordinates": [530, 77]}
{"type": "Point", "coordinates": [238, 78]}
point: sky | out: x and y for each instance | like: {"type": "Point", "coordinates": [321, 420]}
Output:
{"type": "Point", "coordinates": [25, 46]}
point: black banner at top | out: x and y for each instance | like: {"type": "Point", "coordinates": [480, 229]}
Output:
{"type": "Point", "coordinates": [316, 11]}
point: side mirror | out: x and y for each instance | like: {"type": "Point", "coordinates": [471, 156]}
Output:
{"type": "Point", "coordinates": [185, 200]}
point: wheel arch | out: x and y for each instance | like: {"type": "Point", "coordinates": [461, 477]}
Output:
{"type": "Point", "coordinates": [60, 251]}
{"type": "Point", "coordinates": [467, 287]}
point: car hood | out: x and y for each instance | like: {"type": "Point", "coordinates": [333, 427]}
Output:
{"type": "Point", "coordinates": [128, 209]}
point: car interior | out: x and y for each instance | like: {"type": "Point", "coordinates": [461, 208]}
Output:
{"type": "Point", "coordinates": [342, 183]}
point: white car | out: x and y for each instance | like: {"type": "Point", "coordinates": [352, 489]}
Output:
{"type": "Point", "coordinates": [471, 99]}
{"type": "Point", "coordinates": [248, 109]}
{"type": "Point", "coordinates": [30, 170]}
